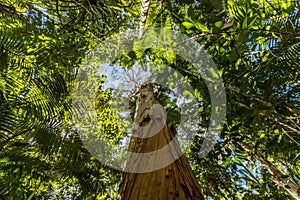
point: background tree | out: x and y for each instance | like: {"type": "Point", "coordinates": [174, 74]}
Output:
{"type": "Point", "coordinates": [254, 44]}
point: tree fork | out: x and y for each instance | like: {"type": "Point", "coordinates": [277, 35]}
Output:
{"type": "Point", "coordinates": [151, 134]}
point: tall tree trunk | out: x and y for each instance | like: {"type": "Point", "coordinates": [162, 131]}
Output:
{"type": "Point", "coordinates": [153, 171]}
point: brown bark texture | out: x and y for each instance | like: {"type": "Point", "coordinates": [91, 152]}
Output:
{"type": "Point", "coordinates": [156, 169]}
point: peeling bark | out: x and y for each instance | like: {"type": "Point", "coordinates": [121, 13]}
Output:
{"type": "Point", "coordinates": [172, 181]}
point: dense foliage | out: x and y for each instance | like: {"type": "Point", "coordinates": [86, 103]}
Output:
{"type": "Point", "coordinates": [255, 45]}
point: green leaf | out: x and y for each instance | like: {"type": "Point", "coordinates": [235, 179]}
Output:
{"type": "Point", "coordinates": [5, 159]}
{"type": "Point", "coordinates": [279, 138]}
{"type": "Point", "coordinates": [245, 23]}
{"type": "Point", "coordinates": [226, 163]}
{"type": "Point", "coordinates": [237, 161]}
{"type": "Point", "coordinates": [214, 73]}
{"type": "Point", "coordinates": [201, 27]}
{"type": "Point", "coordinates": [187, 25]}
{"type": "Point", "coordinates": [188, 94]}
{"type": "Point", "coordinates": [219, 24]}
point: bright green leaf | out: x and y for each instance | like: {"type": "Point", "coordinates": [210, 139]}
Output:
{"type": "Point", "coordinates": [187, 25]}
